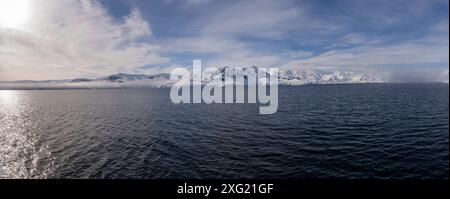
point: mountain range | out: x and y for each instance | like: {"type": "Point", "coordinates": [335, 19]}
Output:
{"type": "Point", "coordinates": [122, 80]}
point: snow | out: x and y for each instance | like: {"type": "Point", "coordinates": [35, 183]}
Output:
{"type": "Point", "coordinates": [121, 80]}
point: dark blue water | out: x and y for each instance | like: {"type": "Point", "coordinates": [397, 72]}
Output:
{"type": "Point", "coordinates": [325, 131]}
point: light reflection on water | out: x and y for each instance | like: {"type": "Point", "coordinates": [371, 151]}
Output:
{"type": "Point", "coordinates": [380, 131]}
{"type": "Point", "coordinates": [20, 152]}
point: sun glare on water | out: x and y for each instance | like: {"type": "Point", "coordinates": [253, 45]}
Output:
{"type": "Point", "coordinates": [14, 13]}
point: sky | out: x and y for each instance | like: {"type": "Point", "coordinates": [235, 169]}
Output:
{"type": "Point", "coordinates": [64, 39]}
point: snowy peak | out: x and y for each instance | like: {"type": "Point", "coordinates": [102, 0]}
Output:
{"type": "Point", "coordinates": [285, 77]}
{"type": "Point", "coordinates": [299, 77]}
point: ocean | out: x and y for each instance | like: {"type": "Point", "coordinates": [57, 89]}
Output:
{"type": "Point", "coordinates": [352, 131]}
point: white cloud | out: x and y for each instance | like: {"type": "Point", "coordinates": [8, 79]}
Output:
{"type": "Point", "coordinates": [203, 44]}
{"type": "Point", "coordinates": [352, 39]}
{"type": "Point", "coordinates": [220, 31]}
{"type": "Point", "coordinates": [188, 4]}
{"type": "Point", "coordinates": [299, 54]}
{"type": "Point", "coordinates": [217, 32]}
{"type": "Point", "coordinates": [368, 55]}
{"type": "Point", "coordinates": [256, 18]}
{"type": "Point", "coordinates": [66, 39]}
{"type": "Point", "coordinates": [423, 60]}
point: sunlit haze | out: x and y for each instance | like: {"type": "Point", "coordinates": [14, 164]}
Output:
{"type": "Point", "coordinates": [13, 14]}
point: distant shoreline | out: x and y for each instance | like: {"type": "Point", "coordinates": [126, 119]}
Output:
{"type": "Point", "coordinates": [166, 87]}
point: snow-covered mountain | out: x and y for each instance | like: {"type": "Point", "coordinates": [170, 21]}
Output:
{"type": "Point", "coordinates": [299, 77]}
{"type": "Point", "coordinates": [121, 80]}
{"type": "Point", "coordinates": [302, 77]}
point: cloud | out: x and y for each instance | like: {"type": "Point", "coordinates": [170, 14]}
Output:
{"type": "Point", "coordinates": [82, 38]}
{"type": "Point", "coordinates": [352, 39]}
{"type": "Point", "coordinates": [188, 4]}
{"type": "Point", "coordinates": [216, 34]}
{"type": "Point", "coordinates": [203, 44]}
{"type": "Point", "coordinates": [227, 37]}
{"type": "Point", "coordinates": [299, 54]}
{"type": "Point", "coordinates": [420, 60]}
{"type": "Point", "coordinates": [419, 75]}
{"type": "Point", "coordinates": [255, 18]}
{"type": "Point", "coordinates": [66, 39]}
{"type": "Point", "coordinates": [420, 51]}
